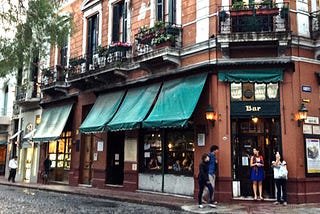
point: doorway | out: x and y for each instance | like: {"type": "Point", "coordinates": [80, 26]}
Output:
{"type": "Point", "coordinates": [86, 160]}
{"type": "Point", "coordinates": [246, 135]}
{"type": "Point", "coordinates": [115, 158]}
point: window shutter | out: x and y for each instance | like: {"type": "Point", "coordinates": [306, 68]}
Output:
{"type": "Point", "coordinates": [125, 23]}
{"type": "Point", "coordinates": [160, 9]}
{"type": "Point", "coordinates": [116, 22]}
{"type": "Point", "coordinates": [172, 12]}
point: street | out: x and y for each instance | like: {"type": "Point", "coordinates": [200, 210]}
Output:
{"type": "Point", "coordinates": [24, 200]}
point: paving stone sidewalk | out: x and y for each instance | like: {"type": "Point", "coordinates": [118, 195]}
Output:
{"type": "Point", "coordinates": [175, 202]}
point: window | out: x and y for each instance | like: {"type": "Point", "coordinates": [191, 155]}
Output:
{"type": "Point", "coordinates": [5, 100]}
{"type": "Point", "coordinates": [172, 12]}
{"type": "Point", "coordinates": [160, 10]}
{"type": "Point", "coordinates": [178, 152]}
{"type": "Point", "coordinates": [60, 151]}
{"type": "Point", "coordinates": [63, 55]}
{"type": "Point", "coordinates": [92, 36]}
{"type": "Point", "coordinates": [119, 27]}
{"type": "Point", "coordinates": [254, 91]}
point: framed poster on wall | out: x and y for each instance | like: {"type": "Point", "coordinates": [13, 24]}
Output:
{"type": "Point", "coordinates": [312, 156]}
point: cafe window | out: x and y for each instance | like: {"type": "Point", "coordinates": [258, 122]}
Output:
{"type": "Point", "coordinates": [60, 151]}
{"type": "Point", "coordinates": [178, 152]}
{"type": "Point", "coordinates": [254, 91]}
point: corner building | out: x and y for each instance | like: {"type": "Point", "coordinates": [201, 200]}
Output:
{"type": "Point", "coordinates": [125, 101]}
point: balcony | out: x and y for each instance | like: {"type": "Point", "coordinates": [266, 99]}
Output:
{"type": "Point", "coordinates": [158, 45]}
{"type": "Point", "coordinates": [54, 80]}
{"type": "Point", "coordinates": [27, 95]}
{"type": "Point", "coordinates": [242, 24]}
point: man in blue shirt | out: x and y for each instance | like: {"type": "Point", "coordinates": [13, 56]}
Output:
{"type": "Point", "coordinates": [212, 170]}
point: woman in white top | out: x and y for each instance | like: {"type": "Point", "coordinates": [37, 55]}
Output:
{"type": "Point", "coordinates": [280, 178]}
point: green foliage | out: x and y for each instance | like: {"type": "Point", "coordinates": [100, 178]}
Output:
{"type": "Point", "coordinates": [36, 26]}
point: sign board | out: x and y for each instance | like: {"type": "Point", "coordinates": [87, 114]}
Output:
{"type": "Point", "coordinates": [312, 120]}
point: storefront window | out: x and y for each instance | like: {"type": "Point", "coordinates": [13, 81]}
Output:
{"type": "Point", "coordinates": [152, 151]}
{"type": "Point", "coordinates": [178, 153]}
{"type": "Point", "coordinates": [60, 151]}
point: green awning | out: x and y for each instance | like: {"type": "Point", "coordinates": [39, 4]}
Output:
{"type": "Point", "coordinates": [176, 102]}
{"type": "Point", "coordinates": [134, 108]}
{"type": "Point", "coordinates": [52, 123]}
{"type": "Point", "coordinates": [102, 112]}
{"type": "Point", "coordinates": [266, 75]}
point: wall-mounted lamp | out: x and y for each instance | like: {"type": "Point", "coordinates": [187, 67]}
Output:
{"type": "Point", "coordinates": [211, 115]}
{"type": "Point", "coordinates": [302, 114]}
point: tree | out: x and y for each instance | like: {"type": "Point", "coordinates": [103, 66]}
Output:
{"type": "Point", "coordinates": [34, 26]}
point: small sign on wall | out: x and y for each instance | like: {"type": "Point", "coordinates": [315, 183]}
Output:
{"type": "Point", "coordinates": [201, 139]}
{"type": "Point", "coordinates": [100, 146]}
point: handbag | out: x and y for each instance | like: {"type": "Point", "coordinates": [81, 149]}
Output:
{"type": "Point", "coordinates": [283, 172]}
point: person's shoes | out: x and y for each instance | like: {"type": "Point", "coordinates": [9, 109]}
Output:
{"type": "Point", "coordinates": [213, 205]}
{"type": "Point", "coordinates": [200, 206]}
{"type": "Point", "coordinates": [276, 203]}
{"type": "Point", "coordinates": [261, 198]}
{"type": "Point", "coordinates": [284, 203]}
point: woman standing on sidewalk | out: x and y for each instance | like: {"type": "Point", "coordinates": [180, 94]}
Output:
{"type": "Point", "coordinates": [257, 173]}
{"type": "Point", "coordinates": [280, 177]}
{"type": "Point", "coordinates": [203, 179]}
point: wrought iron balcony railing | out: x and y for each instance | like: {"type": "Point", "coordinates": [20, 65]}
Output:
{"type": "Point", "coordinates": [26, 93]}
{"type": "Point", "coordinates": [239, 17]}
{"type": "Point", "coordinates": [162, 34]}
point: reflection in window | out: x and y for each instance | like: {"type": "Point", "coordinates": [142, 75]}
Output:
{"type": "Point", "coordinates": [178, 154]}
{"type": "Point", "coordinates": [60, 151]}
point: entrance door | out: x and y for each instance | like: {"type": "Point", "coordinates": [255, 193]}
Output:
{"type": "Point", "coordinates": [246, 135]}
{"type": "Point", "coordinates": [115, 156]}
{"type": "Point", "coordinates": [86, 160]}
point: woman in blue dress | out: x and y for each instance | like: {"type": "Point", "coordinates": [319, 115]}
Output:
{"type": "Point", "coordinates": [257, 173]}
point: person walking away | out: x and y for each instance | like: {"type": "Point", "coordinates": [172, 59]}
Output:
{"type": "Point", "coordinates": [213, 163]}
{"type": "Point", "coordinates": [257, 173]}
{"type": "Point", "coordinates": [280, 178]}
{"type": "Point", "coordinates": [203, 179]}
{"type": "Point", "coordinates": [13, 165]}
{"type": "Point", "coordinates": [47, 165]}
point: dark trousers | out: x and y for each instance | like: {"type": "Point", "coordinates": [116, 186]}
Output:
{"type": "Point", "coordinates": [202, 184]}
{"type": "Point", "coordinates": [12, 175]}
{"type": "Point", "coordinates": [281, 186]}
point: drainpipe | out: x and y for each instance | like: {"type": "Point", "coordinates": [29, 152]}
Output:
{"type": "Point", "coordinates": [162, 158]}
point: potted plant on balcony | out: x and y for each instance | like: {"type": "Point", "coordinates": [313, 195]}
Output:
{"type": "Point", "coordinates": [163, 40]}
{"type": "Point", "coordinates": [284, 12]}
{"type": "Point", "coordinates": [102, 51]}
{"type": "Point", "coordinates": [267, 7]}
{"type": "Point", "coordinates": [145, 35]}
{"type": "Point", "coordinates": [119, 46]}
{"type": "Point", "coordinates": [172, 29]}
{"type": "Point", "coordinates": [240, 9]}
{"type": "Point", "coordinates": [223, 15]}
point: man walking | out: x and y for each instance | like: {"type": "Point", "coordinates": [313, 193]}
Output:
{"type": "Point", "coordinates": [212, 171]}
{"type": "Point", "coordinates": [13, 165]}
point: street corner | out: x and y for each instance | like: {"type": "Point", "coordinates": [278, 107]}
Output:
{"type": "Point", "coordinates": [221, 208]}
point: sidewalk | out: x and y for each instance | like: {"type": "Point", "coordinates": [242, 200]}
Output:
{"type": "Point", "coordinates": [174, 202]}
